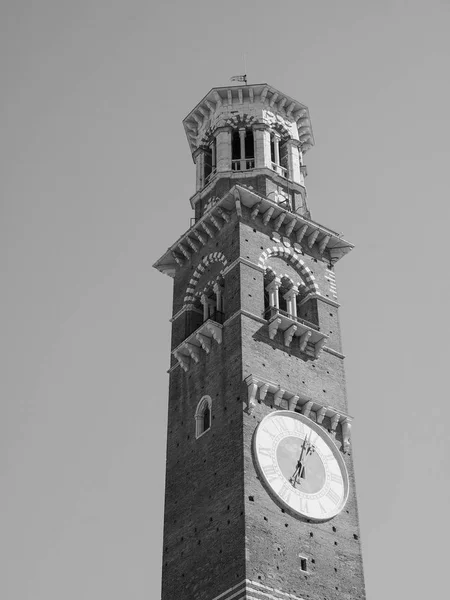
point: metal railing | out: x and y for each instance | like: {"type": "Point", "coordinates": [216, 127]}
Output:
{"type": "Point", "coordinates": [273, 310]}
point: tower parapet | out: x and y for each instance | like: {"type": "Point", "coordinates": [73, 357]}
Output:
{"type": "Point", "coordinates": [253, 135]}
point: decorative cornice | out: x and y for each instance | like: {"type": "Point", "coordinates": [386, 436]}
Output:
{"type": "Point", "coordinates": [219, 213]}
{"type": "Point", "coordinates": [258, 386]}
{"type": "Point", "coordinates": [218, 109]}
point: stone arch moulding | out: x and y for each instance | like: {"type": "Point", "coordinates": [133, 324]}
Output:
{"type": "Point", "coordinates": [205, 402]}
{"type": "Point", "coordinates": [290, 256]}
{"type": "Point", "coordinates": [214, 257]}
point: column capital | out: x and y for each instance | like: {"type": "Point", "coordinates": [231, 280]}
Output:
{"type": "Point", "coordinates": [260, 127]}
{"type": "Point", "coordinates": [274, 284]}
{"type": "Point", "coordinates": [293, 291]}
{"type": "Point", "coordinates": [222, 129]}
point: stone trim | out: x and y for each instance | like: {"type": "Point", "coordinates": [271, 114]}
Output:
{"type": "Point", "coordinates": [292, 257]}
{"type": "Point", "coordinates": [179, 313]}
{"type": "Point", "coordinates": [244, 261]}
{"type": "Point", "coordinates": [201, 268]}
{"type": "Point", "coordinates": [333, 352]}
{"type": "Point", "coordinates": [304, 229]}
{"type": "Point", "coordinates": [199, 431]}
{"type": "Point", "coordinates": [245, 313]}
{"type": "Point", "coordinates": [248, 589]}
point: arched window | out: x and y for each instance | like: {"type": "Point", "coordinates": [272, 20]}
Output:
{"type": "Point", "coordinates": [203, 416]}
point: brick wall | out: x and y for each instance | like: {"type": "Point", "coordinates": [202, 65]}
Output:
{"type": "Point", "coordinates": [221, 524]}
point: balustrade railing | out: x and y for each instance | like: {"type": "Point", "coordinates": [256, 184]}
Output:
{"type": "Point", "coordinates": [243, 164]}
{"type": "Point", "coordinates": [273, 310]}
{"type": "Point", "coordinates": [280, 170]}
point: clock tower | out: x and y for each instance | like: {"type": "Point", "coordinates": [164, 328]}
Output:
{"type": "Point", "coordinates": [260, 492]}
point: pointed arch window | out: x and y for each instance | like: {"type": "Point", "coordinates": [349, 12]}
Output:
{"type": "Point", "coordinates": [203, 416]}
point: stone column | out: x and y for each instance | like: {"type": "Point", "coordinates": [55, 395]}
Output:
{"type": "Point", "coordinates": [291, 298]}
{"type": "Point", "coordinates": [276, 147]}
{"type": "Point", "coordinates": [204, 301]}
{"type": "Point", "coordinates": [213, 155]}
{"type": "Point", "coordinates": [199, 158]}
{"type": "Point", "coordinates": [218, 292]}
{"type": "Point", "coordinates": [223, 149]}
{"type": "Point", "coordinates": [294, 162]}
{"type": "Point", "coordinates": [262, 146]}
{"type": "Point", "coordinates": [242, 141]}
{"type": "Point", "coordinates": [272, 288]}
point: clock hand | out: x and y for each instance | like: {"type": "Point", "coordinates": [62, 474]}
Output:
{"type": "Point", "coordinates": [310, 449]}
{"type": "Point", "coordinates": [296, 477]}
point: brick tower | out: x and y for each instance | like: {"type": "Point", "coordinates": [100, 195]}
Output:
{"type": "Point", "coordinates": [260, 493]}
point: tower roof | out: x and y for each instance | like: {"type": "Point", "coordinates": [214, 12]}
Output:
{"type": "Point", "coordinates": [264, 103]}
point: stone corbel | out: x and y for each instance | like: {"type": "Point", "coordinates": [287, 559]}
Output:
{"type": "Point", "coordinates": [290, 226]}
{"type": "Point", "coordinates": [183, 250]}
{"type": "Point", "coordinates": [346, 426]}
{"type": "Point", "coordinates": [204, 341]}
{"type": "Point", "coordinates": [323, 244]}
{"type": "Point", "coordinates": [306, 408]}
{"type": "Point", "coordinates": [215, 222]}
{"type": "Point", "coordinates": [200, 237]}
{"type": "Point", "coordinates": [224, 214]}
{"type": "Point", "coordinates": [263, 391]}
{"type": "Point", "coordinates": [273, 327]}
{"type": "Point", "coordinates": [255, 211]}
{"type": "Point", "coordinates": [319, 347]}
{"type": "Point", "coordinates": [267, 215]}
{"type": "Point", "coordinates": [252, 388]}
{"type": "Point", "coordinates": [193, 351]}
{"type": "Point", "coordinates": [334, 421]}
{"type": "Point", "coordinates": [320, 414]}
{"type": "Point", "coordinates": [279, 220]}
{"type": "Point", "coordinates": [215, 331]}
{"type": "Point", "coordinates": [237, 203]}
{"type": "Point", "coordinates": [183, 360]}
{"type": "Point", "coordinates": [304, 340]}
{"type": "Point", "coordinates": [312, 238]}
{"type": "Point", "coordinates": [301, 232]}
{"type": "Point", "coordinates": [292, 403]}
{"type": "Point", "coordinates": [289, 334]}
{"type": "Point", "coordinates": [278, 396]}
{"type": "Point", "coordinates": [208, 230]}
{"type": "Point", "coordinates": [178, 260]}
{"type": "Point", "coordinates": [192, 244]}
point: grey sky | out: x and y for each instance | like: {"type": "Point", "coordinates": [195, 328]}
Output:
{"type": "Point", "coordinates": [95, 180]}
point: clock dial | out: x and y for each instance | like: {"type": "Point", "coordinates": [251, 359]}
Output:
{"type": "Point", "coordinates": [301, 465]}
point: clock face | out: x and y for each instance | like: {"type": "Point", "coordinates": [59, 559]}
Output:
{"type": "Point", "coordinates": [301, 465]}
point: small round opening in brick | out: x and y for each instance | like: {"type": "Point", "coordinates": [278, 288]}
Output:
{"type": "Point", "coordinates": [355, 536]}
{"type": "Point", "coordinates": [251, 498]}
{"type": "Point", "coordinates": [334, 529]}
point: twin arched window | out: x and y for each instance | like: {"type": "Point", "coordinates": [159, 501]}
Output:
{"type": "Point", "coordinates": [203, 416]}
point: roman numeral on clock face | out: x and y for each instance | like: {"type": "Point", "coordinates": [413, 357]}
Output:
{"type": "Point", "coordinates": [285, 492]}
{"type": "Point", "coordinates": [336, 478]}
{"type": "Point", "coordinates": [271, 473]}
{"type": "Point", "coordinates": [333, 496]}
{"type": "Point", "coordinates": [279, 425]}
{"type": "Point", "coordinates": [263, 451]}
